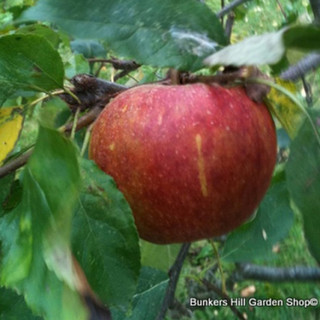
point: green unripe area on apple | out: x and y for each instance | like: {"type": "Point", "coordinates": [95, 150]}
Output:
{"type": "Point", "coordinates": [193, 161]}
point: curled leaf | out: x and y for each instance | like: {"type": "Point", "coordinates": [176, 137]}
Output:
{"type": "Point", "coordinates": [286, 111]}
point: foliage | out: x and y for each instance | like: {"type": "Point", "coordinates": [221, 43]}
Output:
{"type": "Point", "coordinates": [66, 231]}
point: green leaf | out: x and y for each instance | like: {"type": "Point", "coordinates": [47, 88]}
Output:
{"type": "Point", "coordinates": [148, 298]}
{"type": "Point", "coordinates": [158, 256]}
{"type": "Point", "coordinates": [13, 306]}
{"type": "Point", "coordinates": [303, 180]}
{"type": "Point", "coordinates": [302, 38]}
{"type": "Point", "coordinates": [54, 113]}
{"type": "Point", "coordinates": [13, 198]}
{"type": "Point", "coordinates": [36, 256]}
{"type": "Point", "coordinates": [175, 34]}
{"type": "Point", "coordinates": [273, 220]}
{"type": "Point", "coordinates": [43, 31]}
{"type": "Point", "coordinates": [268, 48]}
{"type": "Point", "coordinates": [28, 62]}
{"type": "Point", "coordinates": [104, 237]}
{"type": "Point", "coordinates": [256, 50]}
{"type": "Point", "coordinates": [5, 185]}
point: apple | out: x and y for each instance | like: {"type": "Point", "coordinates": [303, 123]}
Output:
{"type": "Point", "coordinates": [193, 161]}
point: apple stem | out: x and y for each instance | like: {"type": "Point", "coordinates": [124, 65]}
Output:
{"type": "Point", "coordinates": [74, 124]}
{"type": "Point", "coordinates": [86, 140]}
{"type": "Point", "coordinates": [291, 97]}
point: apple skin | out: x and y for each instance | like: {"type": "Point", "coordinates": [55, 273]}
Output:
{"type": "Point", "coordinates": [193, 161]}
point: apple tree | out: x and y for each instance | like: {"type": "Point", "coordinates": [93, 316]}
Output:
{"type": "Point", "coordinates": [85, 87]}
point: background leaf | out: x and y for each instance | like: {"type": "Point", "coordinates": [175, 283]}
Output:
{"type": "Point", "coordinates": [36, 259]}
{"type": "Point", "coordinates": [273, 220]}
{"type": "Point", "coordinates": [175, 34]}
{"type": "Point", "coordinates": [11, 121]}
{"type": "Point", "coordinates": [43, 31]}
{"type": "Point", "coordinates": [302, 38]}
{"type": "Point", "coordinates": [54, 113]}
{"type": "Point", "coordinates": [148, 298]}
{"type": "Point", "coordinates": [110, 254]}
{"type": "Point", "coordinates": [13, 307]}
{"type": "Point", "coordinates": [303, 180]}
{"type": "Point", "coordinates": [5, 185]}
{"type": "Point", "coordinates": [158, 256]}
{"type": "Point", "coordinates": [88, 48]}
{"type": "Point", "coordinates": [29, 63]}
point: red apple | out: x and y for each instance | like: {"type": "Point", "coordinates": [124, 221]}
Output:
{"type": "Point", "coordinates": [193, 161]}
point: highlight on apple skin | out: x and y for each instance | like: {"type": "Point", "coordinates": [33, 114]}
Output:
{"type": "Point", "coordinates": [193, 161]}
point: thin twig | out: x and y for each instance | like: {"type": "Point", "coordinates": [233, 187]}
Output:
{"type": "Point", "coordinates": [230, 7]}
{"type": "Point", "coordinates": [174, 273]}
{"type": "Point", "coordinates": [223, 295]}
{"type": "Point", "coordinates": [216, 252]}
{"type": "Point", "coordinates": [282, 10]}
{"type": "Point", "coordinates": [128, 65]}
{"type": "Point", "coordinates": [86, 140]}
{"type": "Point", "coordinates": [19, 162]}
{"type": "Point", "coordinates": [308, 91]}
{"type": "Point", "coordinates": [15, 164]}
{"type": "Point", "coordinates": [83, 121]}
{"type": "Point", "coordinates": [74, 123]}
{"type": "Point", "coordinates": [222, 6]}
{"type": "Point", "coordinates": [276, 274]}
{"type": "Point", "coordinates": [229, 25]}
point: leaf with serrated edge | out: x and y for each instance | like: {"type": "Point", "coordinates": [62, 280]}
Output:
{"type": "Point", "coordinates": [255, 239]}
{"type": "Point", "coordinates": [175, 34]}
{"type": "Point", "coordinates": [30, 63]}
{"type": "Point", "coordinates": [36, 258]}
{"type": "Point", "coordinates": [13, 306]}
{"type": "Point", "coordinates": [158, 256]}
{"type": "Point", "coordinates": [148, 298]}
{"type": "Point", "coordinates": [110, 250]}
{"type": "Point", "coordinates": [303, 180]}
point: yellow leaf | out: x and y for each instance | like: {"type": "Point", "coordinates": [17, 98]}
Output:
{"type": "Point", "coordinates": [11, 121]}
{"type": "Point", "coordinates": [286, 111]}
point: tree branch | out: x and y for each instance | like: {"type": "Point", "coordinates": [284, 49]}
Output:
{"type": "Point", "coordinates": [127, 65]}
{"type": "Point", "coordinates": [85, 120]}
{"type": "Point", "coordinates": [229, 25]}
{"type": "Point", "coordinates": [174, 273]}
{"type": "Point", "coordinates": [230, 7]}
{"type": "Point", "coordinates": [93, 92]}
{"type": "Point", "coordinates": [90, 91]}
{"type": "Point", "coordinates": [295, 72]}
{"type": "Point", "coordinates": [275, 274]}
{"type": "Point", "coordinates": [15, 164]}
